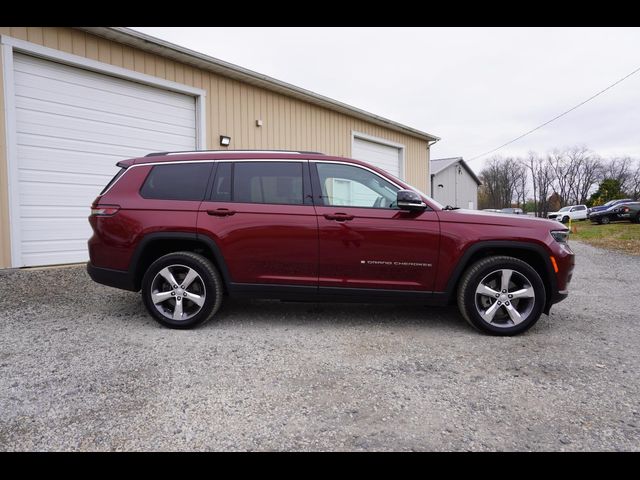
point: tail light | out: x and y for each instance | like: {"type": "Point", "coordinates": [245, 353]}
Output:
{"type": "Point", "coordinates": [104, 210]}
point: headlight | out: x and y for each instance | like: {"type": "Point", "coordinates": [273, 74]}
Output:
{"type": "Point", "coordinates": [560, 236]}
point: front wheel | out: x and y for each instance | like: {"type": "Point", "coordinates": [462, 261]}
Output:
{"type": "Point", "coordinates": [605, 220]}
{"type": "Point", "coordinates": [565, 219]}
{"type": "Point", "coordinates": [501, 296]}
{"type": "Point", "coordinates": [182, 290]}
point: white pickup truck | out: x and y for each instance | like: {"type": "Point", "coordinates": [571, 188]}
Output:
{"type": "Point", "coordinates": [573, 212]}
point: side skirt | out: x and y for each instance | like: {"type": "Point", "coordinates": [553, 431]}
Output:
{"type": "Point", "coordinates": [301, 293]}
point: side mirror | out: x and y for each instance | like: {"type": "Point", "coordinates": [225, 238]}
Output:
{"type": "Point", "coordinates": [409, 200]}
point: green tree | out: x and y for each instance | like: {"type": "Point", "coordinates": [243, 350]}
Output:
{"type": "Point", "coordinates": [609, 189]}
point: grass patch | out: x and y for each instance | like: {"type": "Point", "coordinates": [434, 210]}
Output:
{"type": "Point", "coordinates": [621, 236]}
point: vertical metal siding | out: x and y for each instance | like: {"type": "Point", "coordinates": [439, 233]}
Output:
{"type": "Point", "coordinates": [5, 245]}
{"type": "Point", "coordinates": [232, 109]}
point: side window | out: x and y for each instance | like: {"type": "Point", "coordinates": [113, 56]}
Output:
{"type": "Point", "coordinates": [580, 208]}
{"type": "Point", "coordinates": [351, 186]}
{"type": "Point", "coordinates": [222, 183]}
{"type": "Point", "coordinates": [185, 181]}
{"type": "Point", "coordinates": [268, 182]}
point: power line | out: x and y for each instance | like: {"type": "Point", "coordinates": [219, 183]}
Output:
{"type": "Point", "coordinates": [556, 117]}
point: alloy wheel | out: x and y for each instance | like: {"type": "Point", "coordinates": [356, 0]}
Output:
{"type": "Point", "coordinates": [178, 292]}
{"type": "Point", "coordinates": [505, 298]}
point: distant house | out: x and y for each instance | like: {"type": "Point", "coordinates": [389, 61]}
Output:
{"type": "Point", "coordinates": [454, 183]}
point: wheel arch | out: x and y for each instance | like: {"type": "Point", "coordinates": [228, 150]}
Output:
{"type": "Point", "coordinates": [533, 254]}
{"type": "Point", "coordinates": [154, 245]}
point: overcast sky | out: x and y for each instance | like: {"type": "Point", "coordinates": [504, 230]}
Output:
{"type": "Point", "coordinates": [476, 88]}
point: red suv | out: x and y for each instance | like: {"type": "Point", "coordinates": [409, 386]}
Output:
{"type": "Point", "coordinates": [188, 228]}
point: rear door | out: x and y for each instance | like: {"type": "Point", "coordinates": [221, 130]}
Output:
{"type": "Point", "coordinates": [261, 216]}
{"type": "Point", "coordinates": [365, 241]}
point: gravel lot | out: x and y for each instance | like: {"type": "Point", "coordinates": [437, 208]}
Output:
{"type": "Point", "coordinates": [82, 367]}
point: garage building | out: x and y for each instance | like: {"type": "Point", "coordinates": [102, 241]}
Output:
{"type": "Point", "coordinates": [74, 101]}
{"type": "Point", "coordinates": [454, 183]}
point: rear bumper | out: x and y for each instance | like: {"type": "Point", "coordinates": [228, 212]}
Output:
{"type": "Point", "coordinates": [112, 278]}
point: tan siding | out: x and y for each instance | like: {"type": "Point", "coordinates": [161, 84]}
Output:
{"type": "Point", "coordinates": [92, 47]}
{"type": "Point", "coordinates": [18, 32]}
{"type": "Point", "coordinates": [117, 56]}
{"type": "Point", "coordinates": [50, 36]}
{"type": "Point", "coordinates": [65, 41]}
{"type": "Point", "coordinates": [34, 34]}
{"type": "Point", "coordinates": [5, 242]}
{"type": "Point", "coordinates": [138, 61]}
{"type": "Point", "coordinates": [150, 64]}
{"type": "Point", "coordinates": [79, 43]}
{"type": "Point", "coordinates": [231, 109]}
{"type": "Point", "coordinates": [104, 51]}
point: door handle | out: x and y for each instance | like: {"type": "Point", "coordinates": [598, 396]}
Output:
{"type": "Point", "coordinates": [339, 217]}
{"type": "Point", "coordinates": [221, 212]}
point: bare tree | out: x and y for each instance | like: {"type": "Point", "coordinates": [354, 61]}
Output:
{"type": "Point", "coordinates": [634, 184]}
{"type": "Point", "coordinates": [620, 169]}
{"type": "Point", "coordinates": [500, 178]}
{"type": "Point", "coordinates": [584, 170]}
{"type": "Point", "coordinates": [542, 176]}
{"type": "Point", "coordinates": [562, 174]}
{"type": "Point", "coordinates": [521, 187]}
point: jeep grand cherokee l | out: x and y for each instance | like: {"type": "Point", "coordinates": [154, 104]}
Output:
{"type": "Point", "coordinates": [189, 228]}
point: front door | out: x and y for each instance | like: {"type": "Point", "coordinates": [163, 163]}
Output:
{"type": "Point", "coordinates": [261, 216]}
{"type": "Point", "coordinates": [365, 241]}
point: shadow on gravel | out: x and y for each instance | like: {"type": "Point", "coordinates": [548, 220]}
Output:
{"type": "Point", "coordinates": [277, 313]}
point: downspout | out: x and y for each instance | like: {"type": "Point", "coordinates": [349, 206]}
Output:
{"type": "Point", "coordinates": [429, 165]}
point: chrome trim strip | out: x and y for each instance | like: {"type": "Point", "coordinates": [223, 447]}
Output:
{"type": "Point", "coordinates": [177, 162]}
{"type": "Point", "coordinates": [359, 166]}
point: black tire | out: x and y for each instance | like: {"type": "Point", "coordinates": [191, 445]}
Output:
{"type": "Point", "coordinates": [467, 302]}
{"type": "Point", "coordinates": [209, 278]}
{"type": "Point", "coordinates": [565, 219]}
{"type": "Point", "coordinates": [605, 221]}
{"type": "Point", "coordinates": [636, 219]}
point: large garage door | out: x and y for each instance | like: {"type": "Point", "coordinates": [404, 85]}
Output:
{"type": "Point", "coordinates": [72, 126]}
{"type": "Point", "coordinates": [378, 154]}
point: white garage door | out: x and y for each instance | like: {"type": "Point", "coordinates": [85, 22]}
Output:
{"type": "Point", "coordinates": [382, 156]}
{"type": "Point", "coordinates": [72, 126]}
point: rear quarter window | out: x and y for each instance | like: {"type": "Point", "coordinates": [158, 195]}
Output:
{"type": "Point", "coordinates": [185, 181]}
{"type": "Point", "coordinates": [113, 180]}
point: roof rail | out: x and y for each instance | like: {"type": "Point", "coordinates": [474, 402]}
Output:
{"type": "Point", "coordinates": [186, 152]}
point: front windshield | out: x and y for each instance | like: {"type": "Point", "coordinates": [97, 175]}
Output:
{"type": "Point", "coordinates": [610, 202]}
{"type": "Point", "coordinates": [564, 209]}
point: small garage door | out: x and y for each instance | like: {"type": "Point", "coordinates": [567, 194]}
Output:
{"type": "Point", "coordinates": [382, 156]}
{"type": "Point", "coordinates": [72, 126]}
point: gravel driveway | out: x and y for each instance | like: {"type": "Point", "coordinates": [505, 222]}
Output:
{"type": "Point", "coordinates": [82, 367]}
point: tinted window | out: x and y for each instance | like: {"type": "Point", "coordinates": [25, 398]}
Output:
{"type": "Point", "coordinates": [186, 181]}
{"type": "Point", "coordinates": [351, 186]}
{"type": "Point", "coordinates": [268, 182]}
{"type": "Point", "coordinates": [222, 184]}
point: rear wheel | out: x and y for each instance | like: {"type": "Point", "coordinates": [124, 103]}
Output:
{"type": "Point", "coordinates": [501, 296]}
{"type": "Point", "coordinates": [182, 290]}
{"type": "Point", "coordinates": [636, 219]}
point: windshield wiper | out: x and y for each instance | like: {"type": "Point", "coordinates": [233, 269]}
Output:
{"type": "Point", "coordinates": [449, 207]}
